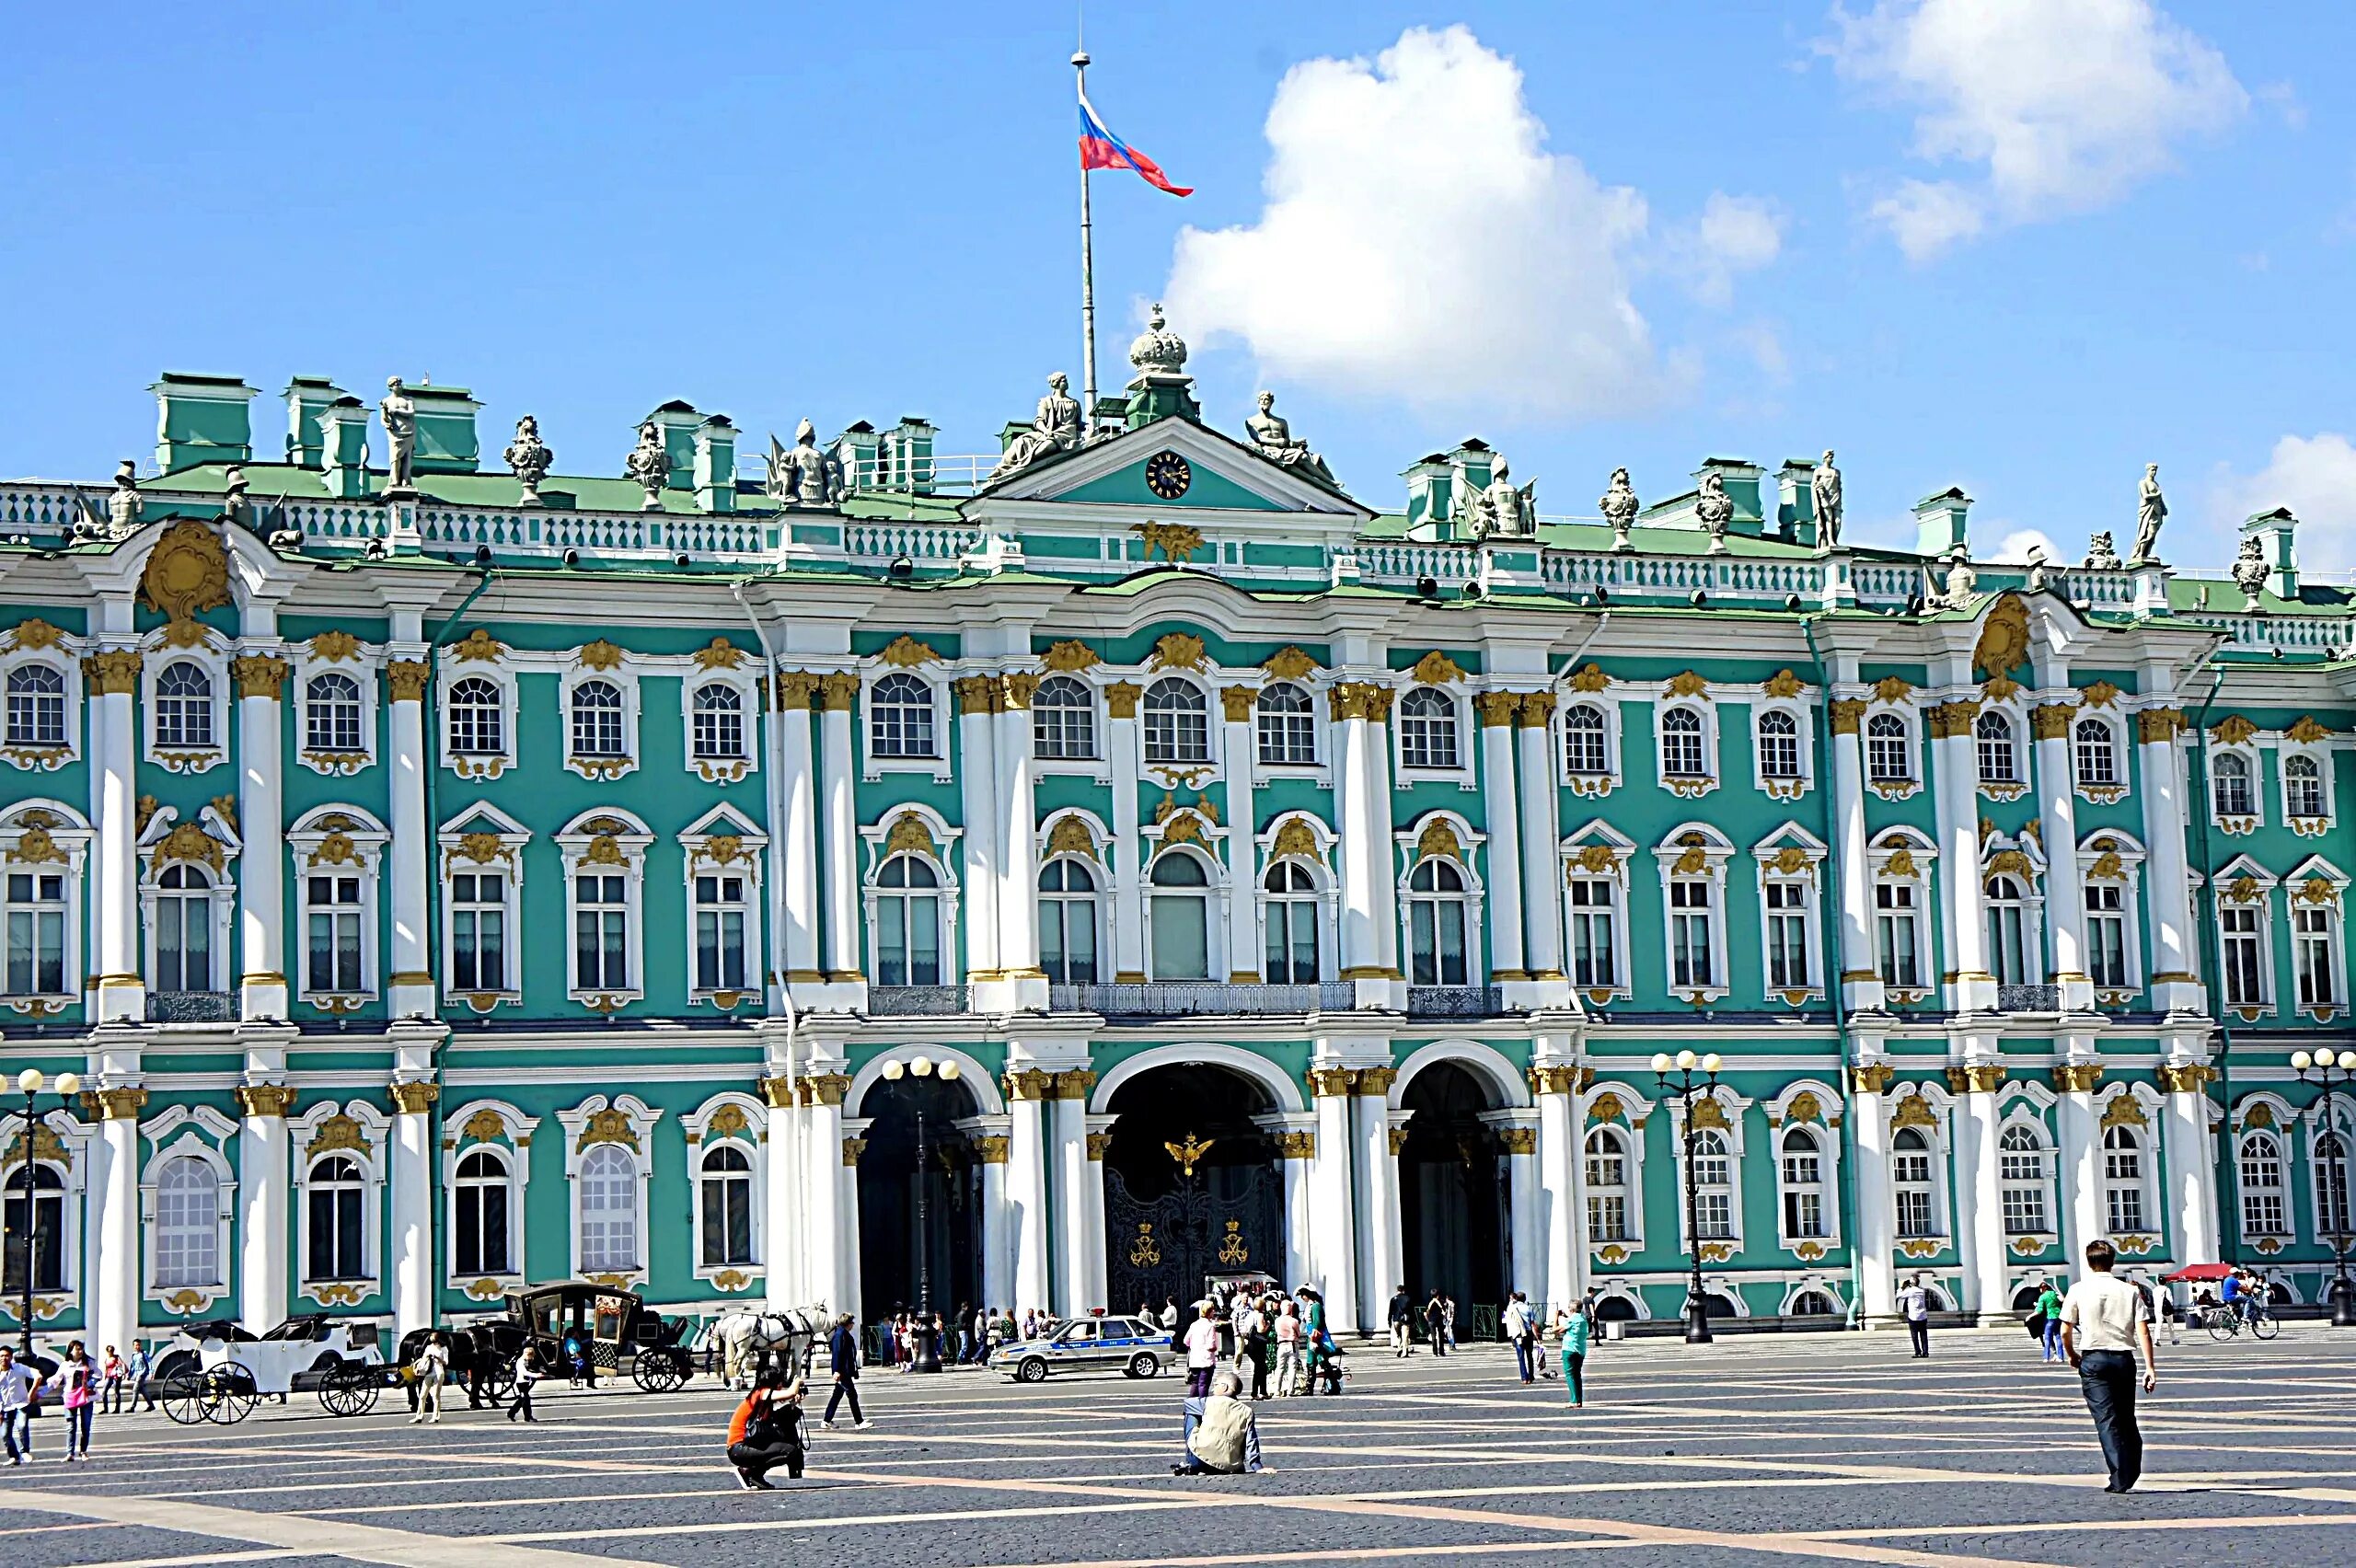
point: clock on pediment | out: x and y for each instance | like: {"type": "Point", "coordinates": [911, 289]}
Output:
{"type": "Point", "coordinates": [1167, 475]}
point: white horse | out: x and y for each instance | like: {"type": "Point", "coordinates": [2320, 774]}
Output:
{"type": "Point", "coordinates": [749, 1341]}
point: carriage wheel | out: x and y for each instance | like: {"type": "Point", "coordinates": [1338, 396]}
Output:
{"type": "Point", "coordinates": [660, 1370]}
{"type": "Point", "coordinates": [230, 1395]}
{"type": "Point", "coordinates": [348, 1391]}
{"type": "Point", "coordinates": [183, 1397]}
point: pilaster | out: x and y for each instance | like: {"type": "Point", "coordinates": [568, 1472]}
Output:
{"type": "Point", "coordinates": [1542, 874]}
{"type": "Point", "coordinates": [990, 1145]}
{"type": "Point", "coordinates": [2077, 1070]}
{"type": "Point", "coordinates": [978, 850]}
{"type": "Point", "coordinates": [783, 1231]}
{"type": "Point", "coordinates": [838, 850]}
{"type": "Point", "coordinates": [1238, 759]}
{"type": "Point", "coordinates": [410, 987]}
{"type": "Point", "coordinates": [411, 1242]}
{"type": "Point", "coordinates": [2065, 894]}
{"type": "Point", "coordinates": [2187, 1151]}
{"type": "Point", "coordinates": [265, 1231]}
{"type": "Point", "coordinates": [1970, 987]}
{"type": "Point", "coordinates": [1080, 1251]}
{"type": "Point", "coordinates": [110, 679]}
{"type": "Point", "coordinates": [1499, 798]}
{"type": "Point", "coordinates": [1861, 987]}
{"type": "Point", "coordinates": [111, 1240]}
{"type": "Point", "coordinates": [1380, 1252]}
{"type": "Point", "coordinates": [793, 846]}
{"type": "Point", "coordinates": [1980, 1197]}
{"type": "Point", "coordinates": [1876, 1218]}
{"type": "Point", "coordinates": [1333, 1244]}
{"type": "Point", "coordinates": [1017, 839]}
{"type": "Point", "coordinates": [1121, 741]}
{"type": "Point", "coordinates": [1558, 1199]}
{"type": "Point", "coordinates": [2175, 988]}
{"type": "Point", "coordinates": [261, 677]}
{"type": "Point", "coordinates": [1027, 1091]}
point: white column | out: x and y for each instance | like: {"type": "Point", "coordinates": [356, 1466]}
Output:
{"type": "Point", "coordinates": [261, 823]}
{"type": "Point", "coordinates": [410, 1248]}
{"type": "Point", "coordinates": [1333, 1238]}
{"type": "Point", "coordinates": [1297, 1145]}
{"type": "Point", "coordinates": [1238, 757]}
{"type": "Point", "coordinates": [1526, 1201]}
{"type": "Point", "coordinates": [1091, 1218]}
{"type": "Point", "coordinates": [784, 1269]}
{"type": "Point", "coordinates": [2166, 884]}
{"type": "Point", "coordinates": [1377, 1184]}
{"type": "Point", "coordinates": [409, 985]}
{"type": "Point", "coordinates": [977, 796]}
{"type": "Point", "coordinates": [265, 1237]}
{"type": "Point", "coordinates": [843, 1176]}
{"type": "Point", "coordinates": [1540, 837]}
{"type": "Point", "coordinates": [1375, 738]}
{"type": "Point", "coordinates": [1860, 980]}
{"type": "Point", "coordinates": [839, 852]}
{"type": "Point", "coordinates": [1129, 897]}
{"type": "Point", "coordinates": [2065, 898]}
{"type": "Point", "coordinates": [2079, 1144]}
{"type": "Point", "coordinates": [998, 1239]}
{"type": "Point", "coordinates": [111, 678]}
{"type": "Point", "coordinates": [1018, 845]}
{"type": "Point", "coordinates": [793, 846]}
{"type": "Point", "coordinates": [1498, 798]}
{"type": "Point", "coordinates": [1361, 814]}
{"type": "Point", "coordinates": [1980, 1197]}
{"type": "Point", "coordinates": [111, 1219]}
{"type": "Point", "coordinates": [1876, 1239]}
{"type": "Point", "coordinates": [825, 1283]}
{"type": "Point", "coordinates": [1026, 1187]}
{"type": "Point", "coordinates": [1955, 770]}
{"type": "Point", "coordinates": [2187, 1150]}
{"type": "Point", "coordinates": [1070, 1131]}
{"type": "Point", "coordinates": [1558, 1201]}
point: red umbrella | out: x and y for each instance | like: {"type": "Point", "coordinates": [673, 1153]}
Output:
{"type": "Point", "coordinates": [2196, 1272]}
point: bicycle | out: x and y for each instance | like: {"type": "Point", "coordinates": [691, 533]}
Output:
{"type": "Point", "coordinates": [2226, 1323]}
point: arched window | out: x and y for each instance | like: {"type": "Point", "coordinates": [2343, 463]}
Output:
{"type": "Point", "coordinates": [2301, 786]}
{"type": "Point", "coordinates": [1177, 725]}
{"type": "Point", "coordinates": [1063, 720]}
{"type": "Point", "coordinates": [184, 930]}
{"type": "Point", "coordinates": [1909, 1174]}
{"type": "Point", "coordinates": [2097, 753]}
{"type": "Point", "coordinates": [1435, 923]}
{"type": "Point", "coordinates": [727, 1198]}
{"type": "Point", "coordinates": [899, 717]}
{"type": "Point", "coordinates": [1779, 745]}
{"type": "Point", "coordinates": [2331, 1189]}
{"type": "Point", "coordinates": [335, 1200]}
{"type": "Point", "coordinates": [608, 1187]}
{"type": "Point", "coordinates": [47, 1229]}
{"type": "Point", "coordinates": [1287, 723]}
{"type": "Point", "coordinates": [1068, 922]}
{"type": "Point", "coordinates": [1607, 1185]}
{"type": "Point", "coordinates": [1999, 761]}
{"type": "Point", "coordinates": [1178, 916]}
{"type": "Point", "coordinates": [1889, 750]}
{"type": "Point", "coordinates": [1804, 1185]}
{"type": "Point", "coordinates": [1712, 1187]}
{"type": "Point", "coordinates": [332, 714]}
{"type": "Point", "coordinates": [2229, 779]}
{"type": "Point", "coordinates": [184, 706]}
{"type": "Point", "coordinates": [718, 714]}
{"type": "Point", "coordinates": [1682, 755]}
{"type": "Point", "coordinates": [1812, 1304]}
{"type": "Point", "coordinates": [2265, 1208]}
{"type": "Point", "coordinates": [2122, 1181]}
{"type": "Point", "coordinates": [187, 1223]}
{"type": "Point", "coordinates": [36, 706]}
{"type": "Point", "coordinates": [1427, 729]}
{"type": "Point", "coordinates": [481, 1240]}
{"type": "Point", "coordinates": [1585, 755]}
{"type": "Point", "coordinates": [598, 718]}
{"type": "Point", "coordinates": [1291, 924]}
{"type": "Point", "coordinates": [907, 923]}
{"type": "Point", "coordinates": [477, 718]}
{"type": "Point", "coordinates": [2020, 1173]}
{"type": "Point", "coordinates": [2006, 912]}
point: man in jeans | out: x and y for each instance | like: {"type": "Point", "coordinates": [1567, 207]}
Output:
{"type": "Point", "coordinates": [2102, 1320]}
{"type": "Point", "coordinates": [1914, 1306]}
{"type": "Point", "coordinates": [1403, 1324]}
{"type": "Point", "coordinates": [18, 1383]}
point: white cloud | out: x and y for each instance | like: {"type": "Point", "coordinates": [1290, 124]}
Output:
{"type": "Point", "coordinates": [2316, 477]}
{"type": "Point", "coordinates": [1418, 241]}
{"type": "Point", "coordinates": [1734, 235]}
{"type": "Point", "coordinates": [2065, 105]}
{"type": "Point", "coordinates": [2018, 543]}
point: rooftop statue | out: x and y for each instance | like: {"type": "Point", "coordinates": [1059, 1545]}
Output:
{"type": "Point", "coordinates": [650, 465]}
{"type": "Point", "coordinates": [1056, 428]}
{"type": "Point", "coordinates": [399, 415]}
{"type": "Point", "coordinates": [233, 497]}
{"type": "Point", "coordinates": [1715, 509]}
{"type": "Point", "coordinates": [1620, 506]}
{"type": "Point", "coordinates": [1501, 511]}
{"type": "Point", "coordinates": [805, 476]}
{"type": "Point", "coordinates": [1825, 488]}
{"type": "Point", "coordinates": [1157, 351]}
{"type": "Point", "coordinates": [530, 457]}
{"type": "Point", "coordinates": [2150, 510]}
{"type": "Point", "coordinates": [2101, 555]}
{"type": "Point", "coordinates": [2249, 568]}
{"type": "Point", "coordinates": [2040, 562]}
{"type": "Point", "coordinates": [1273, 438]}
{"type": "Point", "coordinates": [1960, 581]}
{"type": "Point", "coordinates": [123, 508]}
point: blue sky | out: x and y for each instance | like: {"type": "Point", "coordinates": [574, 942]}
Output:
{"type": "Point", "coordinates": [1594, 234]}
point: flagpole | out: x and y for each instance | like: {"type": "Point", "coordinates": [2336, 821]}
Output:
{"type": "Point", "coordinates": [1087, 274]}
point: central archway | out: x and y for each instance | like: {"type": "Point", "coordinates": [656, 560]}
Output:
{"type": "Point", "coordinates": [1453, 1191]}
{"type": "Point", "coordinates": [1193, 1187]}
{"type": "Point", "coordinates": [914, 1151]}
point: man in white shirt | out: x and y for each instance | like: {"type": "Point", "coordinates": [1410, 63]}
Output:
{"type": "Point", "coordinates": [1516, 1326]}
{"type": "Point", "coordinates": [1201, 1351]}
{"type": "Point", "coordinates": [2103, 1319]}
{"type": "Point", "coordinates": [18, 1384]}
{"type": "Point", "coordinates": [1914, 1306]}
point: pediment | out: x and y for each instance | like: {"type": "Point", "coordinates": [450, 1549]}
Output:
{"type": "Point", "coordinates": [1221, 476]}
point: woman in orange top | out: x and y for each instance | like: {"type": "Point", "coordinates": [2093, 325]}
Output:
{"type": "Point", "coordinates": [766, 1431]}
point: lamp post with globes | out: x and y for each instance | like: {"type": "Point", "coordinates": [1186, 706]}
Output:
{"type": "Point", "coordinates": [2333, 1072]}
{"type": "Point", "coordinates": [30, 1084]}
{"type": "Point", "coordinates": [1697, 1313]}
{"type": "Point", "coordinates": [927, 1357]}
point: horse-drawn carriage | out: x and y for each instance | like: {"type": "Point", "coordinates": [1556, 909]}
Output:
{"type": "Point", "coordinates": [218, 1370]}
{"type": "Point", "coordinates": [748, 1344]}
{"type": "Point", "coordinates": [581, 1324]}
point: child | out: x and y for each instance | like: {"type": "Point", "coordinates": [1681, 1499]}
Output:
{"type": "Point", "coordinates": [110, 1374]}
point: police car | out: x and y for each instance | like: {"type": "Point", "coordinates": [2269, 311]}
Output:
{"type": "Point", "coordinates": [1087, 1344]}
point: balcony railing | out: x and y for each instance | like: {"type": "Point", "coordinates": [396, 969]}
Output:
{"type": "Point", "coordinates": [915, 1001]}
{"type": "Point", "coordinates": [191, 1007]}
{"type": "Point", "coordinates": [1455, 1001]}
{"type": "Point", "coordinates": [2029, 998]}
{"type": "Point", "coordinates": [1182, 999]}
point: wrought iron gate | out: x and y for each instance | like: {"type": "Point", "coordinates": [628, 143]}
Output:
{"type": "Point", "coordinates": [1224, 1219]}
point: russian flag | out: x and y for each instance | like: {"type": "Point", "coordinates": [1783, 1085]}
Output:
{"type": "Point", "coordinates": [1099, 148]}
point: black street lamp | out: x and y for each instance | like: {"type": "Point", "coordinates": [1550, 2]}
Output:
{"type": "Point", "coordinates": [2324, 1065]}
{"type": "Point", "coordinates": [1697, 1313]}
{"type": "Point", "coordinates": [29, 1084]}
{"type": "Point", "coordinates": [927, 1357]}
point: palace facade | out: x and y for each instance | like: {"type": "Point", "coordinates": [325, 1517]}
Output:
{"type": "Point", "coordinates": [1051, 882]}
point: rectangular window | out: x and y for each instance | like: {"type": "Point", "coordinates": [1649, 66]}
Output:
{"type": "Point", "coordinates": [600, 933]}
{"type": "Point", "coordinates": [1592, 913]}
{"type": "Point", "coordinates": [2310, 955]}
{"type": "Point", "coordinates": [1689, 933]}
{"type": "Point", "coordinates": [1714, 1211]}
{"type": "Point", "coordinates": [36, 934]}
{"type": "Point", "coordinates": [331, 959]}
{"type": "Point", "coordinates": [720, 933]}
{"type": "Point", "coordinates": [2024, 1211]}
{"type": "Point", "coordinates": [478, 931]}
{"type": "Point", "coordinates": [1786, 936]}
{"type": "Point", "coordinates": [1914, 1212]}
{"type": "Point", "coordinates": [2244, 955]}
{"type": "Point", "coordinates": [2005, 950]}
{"type": "Point", "coordinates": [1803, 1215]}
{"type": "Point", "coordinates": [2125, 1210]}
{"type": "Point", "coordinates": [1897, 934]}
{"type": "Point", "coordinates": [1607, 1217]}
{"type": "Point", "coordinates": [2106, 935]}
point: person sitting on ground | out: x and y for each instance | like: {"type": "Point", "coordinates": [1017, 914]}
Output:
{"type": "Point", "coordinates": [766, 1431]}
{"type": "Point", "coordinates": [1226, 1441]}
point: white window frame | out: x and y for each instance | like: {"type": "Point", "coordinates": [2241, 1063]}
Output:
{"type": "Point", "coordinates": [467, 1131]}
{"type": "Point", "coordinates": [1824, 1189]}
{"type": "Point", "coordinates": [1687, 787]}
{"type": "Point", "coordinates": [373, 1127]}
{"type": "Point", "coordinates": [637, 1120]}
{"type": "Point", "coordinates": [2343, 1126]}
{"type": "Point", "coordinates": [2235, 824]}
{"type": "Point", "coordinates": [1631, 1111]}
{"type": "Point", "coordinates": [2018, 743]}
{"type": "Point", "coordinates": [623, 678]}
{"type": "Point", "coordinates": [1214, 726]}
{"type": "Point", "coordinates": [2035, 965]}
{"type": "Point", "coordinates": [1733, 1105]}
{"type": "Point", "coordinates": [1214, 898]}
{"type": "Point", "coordinates": [1406, 856]}
{"type": "Point", "coordinates": [745, 681]}
{"type": "Point", "coordinates": [1575, 852]}
{"type": "Point", "coordinates": [74, 1137]}
{"type": "Point", "coordinates": [942, 857]}
{"type": "Point", "coordinates": [701, 856]}
{"type": "Point", "coordinates": [1880, 857]}
{"type": "Point", "coordinates": [2281, 1161]}
{"type": "Point", "coordinates": [2315, 884]}
{"type": "Point", "coordinates": [1771, 854]}
{"type": "Point", "coordinates": [222, 895]}
{"type": "Point", "coordinates": [1094, 763]}
{"type": "Point", "coordinates": [325, 841]}
{"type": "Point", "coordinates": [449, 672]}
{"type": "Point", "coordinates": [1316, 727]}
{"type": "Point", "coordinates": [2318, 752]}
{"type": "Point", "coordinates": [2242, 875]}
{"type": "Point", "coordinates": [751, 1141]}
{"type": "Point", "coordinates": [359, 667]}
{"type": "Point", "coordinates": [2121, 758]}
{"type": "Point", "coordinates": [504, 846]}
{"type": "Point", "coordinates": [1790, 789]}
{"type": "Point", "coordinates": [2025, 1120]}
{"type": "Point", "coordinates": [1459, 718]}
{"type": "Point", "coordinates": [2091, 851]}
{"type": "Point", "coordinates": [53, 656]}
{"type": "Point", "coordinates": [2147, 1179]}
{"type": "Point", "coordinates": [1630, 1188]}
{"type": "Point", "coordinates": [1904, 789]}
{"type": "Point", "coordinates": [161, 656]}
{"type": "Point", "coordinates": [1715, 852]}
{"type": "Point", "coordinates": [198, 1132]}
{"type": "Point", "coordinates": [940, 765]}
{"type": "Point", "coordinates": [1099, 900]}
{"type": "Point", "coordinates": [1606, 700]}
{"type": "Point", "coordinates": [1938, 1135]}
{"type": "Point", "coordinates": [577, 842]}
{"type": "Point", "coordinates": [68, 852]}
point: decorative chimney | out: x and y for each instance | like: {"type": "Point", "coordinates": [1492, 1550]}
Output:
{"type": "Point", "coordinates": [2277, 536]}
{"type": "Point", "coordinates": [1795, 502]}
{"type": "Point", "coordinates": [716, 464]}
{"type": "Point", "coordinates": [446, 430]}
{"type": "Point", "coordinates": [343, 447]}
{"type": "Point", "coordinates": [308, 397]}
{"type": "Point", "coordinates": [678, 421]}
{"type": "Point", "coordinates": [1943, 523]}
{"type": "Point", "coordinates": [202, 418]}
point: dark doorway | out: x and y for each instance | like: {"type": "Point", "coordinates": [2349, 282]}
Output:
{"type": "Point", "coordinates": [1453, 1195]}
{"type": "Point", "coordinates": [1192, 1186]}
{"type": "Point", "coordinates": [901, 1261]}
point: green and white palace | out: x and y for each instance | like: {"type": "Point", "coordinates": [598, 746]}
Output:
{"type": "Point", "coordinates": [1046, 879]}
